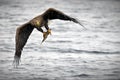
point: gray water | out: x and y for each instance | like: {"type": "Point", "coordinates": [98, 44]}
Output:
{"type": "Point", "coordinates": [71, 52]}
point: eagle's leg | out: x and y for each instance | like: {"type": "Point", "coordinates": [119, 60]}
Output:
{"type": "Point", "coordinates": [46, 33]}
{"type": "Point", "coordinates": [40, 29]}
{"type": "Point", "coordinates": [48, 29]}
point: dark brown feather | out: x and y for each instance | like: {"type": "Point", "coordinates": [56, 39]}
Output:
{"type": "Point", "coordinates": [22, 35]}
{"type": "Point", "coordinates": [52, 13]}
{"type": "Point", "coordinates": [23, 32]}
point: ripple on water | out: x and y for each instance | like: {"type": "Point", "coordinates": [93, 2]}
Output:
{"type": "Point", "coordinates": [82, 75]}
{"type": "Point", "coordinates": [103, 31]}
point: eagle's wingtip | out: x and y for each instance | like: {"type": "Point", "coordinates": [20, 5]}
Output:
{"type": "Point", "coordinates": [16, 61]}
{"type": "Point", "coordinates": [78, 22]}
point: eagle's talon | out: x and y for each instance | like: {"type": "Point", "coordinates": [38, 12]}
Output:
{"type": "Point", "coordinates": [49, 31]}
{"type": "Point", "coordinates": [45, 34]}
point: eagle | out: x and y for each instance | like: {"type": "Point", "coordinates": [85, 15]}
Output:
{"type": "Point", "coordinates": [23, 32]}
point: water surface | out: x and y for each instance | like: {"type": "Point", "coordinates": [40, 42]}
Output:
{"type": "Point", "coordinates": [70, 53]}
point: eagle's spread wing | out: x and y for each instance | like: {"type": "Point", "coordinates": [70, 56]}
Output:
{"type": "Point", "coordinates": [52, 13]}
{"type": "Point", "coordinates": [22, 35]}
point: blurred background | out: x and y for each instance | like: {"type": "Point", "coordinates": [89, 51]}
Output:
{"type": "Point", "coordinates": [71, 52]}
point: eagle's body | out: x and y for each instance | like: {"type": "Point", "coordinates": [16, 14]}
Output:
{"type": "Point", "coordinates": [23, 32]}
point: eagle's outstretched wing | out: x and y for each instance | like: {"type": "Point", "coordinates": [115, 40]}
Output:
{"type": "Point", "coordinates": [22, 35]}
{"type": "Point", "coordinates": [52, 13]}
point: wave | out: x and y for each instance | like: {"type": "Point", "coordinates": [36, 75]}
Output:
{"type": "Point", "coordinates": [82, 75]}
{"type": "Point", "coordinates": [80, 51]}
{"type": "Point", "coordinates": [94, 52]}
{"type": "Point", "coordinates": [38, 78]}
